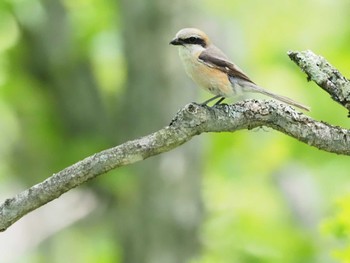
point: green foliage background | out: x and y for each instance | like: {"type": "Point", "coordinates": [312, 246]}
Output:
{"type": "Point", "coordinates": [251, 215]}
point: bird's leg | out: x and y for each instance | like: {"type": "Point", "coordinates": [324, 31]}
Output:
{"type": "Point", "coordinates": [220, 100]}
{"type": "Point", "coordinates": [214, 98]}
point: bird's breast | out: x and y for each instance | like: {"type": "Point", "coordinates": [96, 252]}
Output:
{"type": "Point", "coordinates": [206, 77]}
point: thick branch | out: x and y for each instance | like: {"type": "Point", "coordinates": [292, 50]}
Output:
{"type": "Point", "coordinates": [192, 120]}
{"type": "Point", "coordinates": [324, 74]}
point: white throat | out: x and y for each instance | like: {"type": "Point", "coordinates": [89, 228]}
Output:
{"type": "Point", "coordinates": [190, 50]}
{"type": "Point", "coordinates": [189, 55]}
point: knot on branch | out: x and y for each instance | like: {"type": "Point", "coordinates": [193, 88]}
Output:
{"type": "Point", "coordinates": [192, 115]}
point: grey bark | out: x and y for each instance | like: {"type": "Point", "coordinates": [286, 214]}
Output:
{"type": "Point", "coordinates": [192, 120]}
{"type": "Point", "coordinates": [319, 70]}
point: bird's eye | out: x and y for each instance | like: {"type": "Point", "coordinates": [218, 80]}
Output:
{"type": "Point", "coordinates": [192, 40]}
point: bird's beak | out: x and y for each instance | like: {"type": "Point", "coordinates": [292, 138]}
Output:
{"type": "Point", "coordinates": [176, 42]}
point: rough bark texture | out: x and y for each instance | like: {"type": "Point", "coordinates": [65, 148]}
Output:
{"type": "Point", "coordinates": [192, 120]}
{"type": "Point", "coordinates": [319, 70]}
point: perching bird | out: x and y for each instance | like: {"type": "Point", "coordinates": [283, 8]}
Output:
{"type": "Point", "coordinates": [211, 70]}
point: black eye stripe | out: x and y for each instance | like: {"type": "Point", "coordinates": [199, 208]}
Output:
{"type": "Point", "coordinates": [194, 41]}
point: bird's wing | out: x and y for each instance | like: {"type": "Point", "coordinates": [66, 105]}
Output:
{"type": "Point", "coordinates": [220, 62]}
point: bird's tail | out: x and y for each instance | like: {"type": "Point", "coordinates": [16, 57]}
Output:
{"type": "Point", "coordinates": [255, 88]}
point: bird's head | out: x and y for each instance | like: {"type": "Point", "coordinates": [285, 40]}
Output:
{"type": "Point", "coordinates": [190, 38]}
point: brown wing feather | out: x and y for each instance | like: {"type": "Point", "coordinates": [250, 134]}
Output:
{"type": "Point", "coordinates": [223, 65]}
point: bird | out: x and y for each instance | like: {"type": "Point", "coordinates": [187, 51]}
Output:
{"type": "Point", "coordinates": [211, 69]}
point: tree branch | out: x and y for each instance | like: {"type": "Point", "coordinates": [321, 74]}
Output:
{"type": "Point", "coordinates": [192, 120]}
{"type": "Point", "coordinates": [324, 74]}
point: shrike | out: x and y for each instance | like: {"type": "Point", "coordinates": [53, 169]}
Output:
{"type": "Point", "coordinates": [211, 70]}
